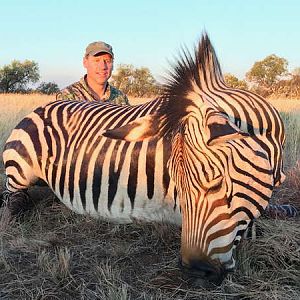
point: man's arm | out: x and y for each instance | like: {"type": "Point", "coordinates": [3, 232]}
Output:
{"type": "Point", "coordinates": [65, 94]}
{"type": "Point", "coordinates": [118, 97]}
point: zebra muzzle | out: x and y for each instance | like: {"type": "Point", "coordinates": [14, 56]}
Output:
{"type": "Point", "coordinates": [204, 270]}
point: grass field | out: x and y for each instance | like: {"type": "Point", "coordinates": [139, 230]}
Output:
{"type": "Point", "coordinates": [55, 254]}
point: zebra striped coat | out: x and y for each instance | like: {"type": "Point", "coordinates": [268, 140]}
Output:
{"type": "Point", "coordinates": [202, 155]}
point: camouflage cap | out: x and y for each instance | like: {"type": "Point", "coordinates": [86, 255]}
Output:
{"type": "Point", "coordinates": [98, 47]}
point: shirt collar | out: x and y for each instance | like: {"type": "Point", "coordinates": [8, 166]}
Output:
{"type": "Point", "coordinates": [107, 91]}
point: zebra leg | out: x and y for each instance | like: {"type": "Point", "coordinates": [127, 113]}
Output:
{"type": "Point", "coordinates": [250, 232]}
{"type": "Point", "coordinates": [20, 176]}
{"type": "Point", "coordinates": [283, 211]}
{"type": "Point", "coordinates": [253, 231]}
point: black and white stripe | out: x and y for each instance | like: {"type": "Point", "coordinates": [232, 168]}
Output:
{"type": "Point", "coordinates": [202, 155]}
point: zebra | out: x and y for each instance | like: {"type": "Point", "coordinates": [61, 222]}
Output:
{"type": "Point", "coordinates": [202, 155]}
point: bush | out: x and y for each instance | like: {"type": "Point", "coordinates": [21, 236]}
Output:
{"type": "Point", "coordinates": [48, 88]}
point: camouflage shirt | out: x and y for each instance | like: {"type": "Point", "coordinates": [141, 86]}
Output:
{"type": "Point", "coordinates": [80, 90]}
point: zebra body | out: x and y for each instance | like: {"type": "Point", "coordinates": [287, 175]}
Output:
{"type": "Point", "coordinates": [115, 179]}
{"type": "Point", "coordinates": [202, 155]}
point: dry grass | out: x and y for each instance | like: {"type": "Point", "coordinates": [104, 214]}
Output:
{"type": "Point", "coordinates": [136, 100]}
{"type": "Point", "coordinates": [53, 253]}
{"type": "Point", "coordinates": [292, 145]}
{"type": "Point", "coordinates": [286, 105]}
{"type": "Point", "coordinates": [14, 107]}
{"type": "Point", "coordinates": [17, 106]}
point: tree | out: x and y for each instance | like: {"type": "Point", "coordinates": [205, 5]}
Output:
{"type": "Point", "coordinates": [234, 82]}
{"type": "Point", "coordinates": [138, 82]}
{"type": "Point", "coordinates": [289, 88]}
{"type": "Point", "coordinates": [144, 83]}
{"type": "Point", "coordinates": [268, 71]}
{"type": "Point", "coordinates": [16, 76]}
{"type": "Point", "coordinates": [48, 88]}
{"type": "Point", "coordinates": [123, 78]}
{"type": "Point", "coordinates": [296, 72]}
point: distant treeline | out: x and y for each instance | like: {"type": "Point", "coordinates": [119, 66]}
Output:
{"type": "Point", "coordinates": [269, 78]}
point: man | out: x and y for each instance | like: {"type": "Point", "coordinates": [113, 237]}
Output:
{"type": "Point", "coordinates": [94, 86]}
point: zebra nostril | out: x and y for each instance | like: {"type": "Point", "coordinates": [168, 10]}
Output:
{"type": "Point", "coordinates": [205, 270]}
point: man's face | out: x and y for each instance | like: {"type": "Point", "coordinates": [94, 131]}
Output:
{"type": "Point", "coordinates": [98, 67]}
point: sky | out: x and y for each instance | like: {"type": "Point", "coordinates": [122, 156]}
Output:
{"type": "Point", "coordinates": [55, 33]}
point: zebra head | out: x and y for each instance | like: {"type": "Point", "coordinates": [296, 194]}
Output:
{"type": "Point", "coordinates": [222, 174]}
{"type": "Point", "coordinates": [220, 191]}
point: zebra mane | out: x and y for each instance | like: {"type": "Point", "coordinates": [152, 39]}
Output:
{"type": "Point", "coordinates": [200, 67]}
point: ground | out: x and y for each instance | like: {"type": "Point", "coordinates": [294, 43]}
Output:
{"type": "Point", "coordinates": [52, 253]}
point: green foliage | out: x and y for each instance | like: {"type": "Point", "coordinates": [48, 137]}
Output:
{"type": "Point", "coordinates": [137, 82]}
{"type": "Point", "coordinates": [122, 77]}
{"type": "Point", "coordinates": [234, 82]}
{"type": "Point", "coordinates": [268, 71]}
{"type": "Point", "coordinates": [15, 77]}
{"type": "Point", "coordinates": [48, 88]}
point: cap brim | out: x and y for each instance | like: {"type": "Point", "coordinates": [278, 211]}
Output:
{"type": "Point", "coordinates": [93, 53]}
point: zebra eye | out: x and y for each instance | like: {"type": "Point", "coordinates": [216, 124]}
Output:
{"type": "Point", "coordinates": [215, 185]}
{"type": "Point", "coordinates": [215, 188]}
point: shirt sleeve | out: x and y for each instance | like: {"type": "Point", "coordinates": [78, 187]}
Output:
{"type": "Point", "coordinates": [118, 97]}
{"type": "Point", "coordinates": [65, 94]}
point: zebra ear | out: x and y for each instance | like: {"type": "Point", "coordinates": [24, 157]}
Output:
{"type": "Point", "coordinates": [219, 129]}
{"type": "Point", "coordinates": [137, 130]}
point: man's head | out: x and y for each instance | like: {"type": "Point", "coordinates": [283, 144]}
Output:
{"type": "Point", "coordinates": [98, 61]}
